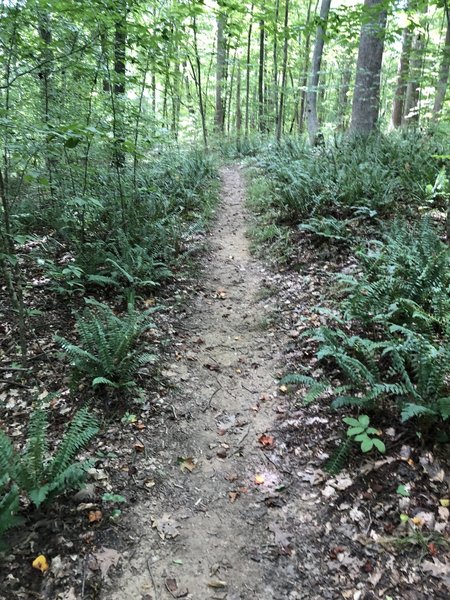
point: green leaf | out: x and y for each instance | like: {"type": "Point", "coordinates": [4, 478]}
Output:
{"type": "Point", "coordinates": [364, 421]}
{"type": "Point", "coordinates": [379, 445]}
{"type": "Point", "coordinates": [72, 142]}
{"type": "Point", "coordinates": [354, 431]}
{"type": "Point", "coordinates": [367, 445]}
{"type": "Point", "coordinates": [351, 421]}
{"type": "Point", "coordinates": [402, 490]}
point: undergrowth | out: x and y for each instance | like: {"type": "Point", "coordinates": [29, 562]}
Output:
{"type": "Point", "coordinates": [386, 345]}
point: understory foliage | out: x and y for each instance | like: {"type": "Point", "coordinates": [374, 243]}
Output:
{"type": "Point", "coordinates": [128, 233]}
{"type": "Point", "coordinates": [107, 353]}
{"type": "Point", "coordinates": [351, 183]}
{"type": "Point", "coordinates": [388, 342]}
{"type": "Point", "coordinates": [34, 472]}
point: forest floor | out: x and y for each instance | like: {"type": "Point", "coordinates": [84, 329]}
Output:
{"type": "Point", "coordinates": [243, 509]}
{"type": "Point", "coordinates": [222, 467]}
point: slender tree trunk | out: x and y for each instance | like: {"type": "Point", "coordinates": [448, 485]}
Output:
{"type": "Point", "coordinates": [229, 97]}
{"type": "Point", "coordinates": [275, 61]}
{"type": "Point", "coordinates": [262, 33]}
{"type": "Point", "coordinates": [219, 115]}
{"type": "Point", "coordinates": [238, 107]}
{"type": "Point", "coordinates": [411, 111]}
{"type": "Point", "coordinates": [248, 72]}
{"type": "Point", "coordinates": [344, 88]}
{"type": "Point", "coordinates": [47, 91]}
{"type": "Point", "coordinates": [366, 96]}
{"type": "Point", "coordinates": [197, 75]}
{"type": "Point", "coordinates": [441, 88]}
{"type": "Point", "coordinates": [402, 79]}
{"type": "Point", "coordinates": [284, 73]}
{"type": "Point", "coordinates": [311, 97]}
{"type": "Point", "coordinates": [304, 70]}
{"type": "Point", "coordinates": [120, 41]}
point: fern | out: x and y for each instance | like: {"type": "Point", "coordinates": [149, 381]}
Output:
{"type": "Point", "coordinates": [315, 388]}
{"type": "Point", "coordinates": [33, 472]}
{"type": "Point", "coordinates": [337, 461]}
{"type": "Point", "coordinates": [107, 352]}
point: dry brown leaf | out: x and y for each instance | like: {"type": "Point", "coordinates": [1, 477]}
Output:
{"type": "Point", "coordinates": [95, 516]}
{"type": "Point", "coordinates": [233, 496]}
{"type": "Point", "coordinates": [106, 558]}
{"type": "Point", "coordinates": [268, 441]}
{"type": "Point", "coordinates": [186, 463]}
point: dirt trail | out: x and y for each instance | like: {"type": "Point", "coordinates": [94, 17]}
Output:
{"type": "Point", "coordinates": [220, 527]}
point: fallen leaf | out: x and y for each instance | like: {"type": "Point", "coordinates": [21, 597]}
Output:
{"type": "Point", "coordinates": [283, 388]}
{"type": "Point", "coordinates": [265, 397]}
{"type": "Point", "coordinates": [186, 463]}
{"type": "Point", "coordinates": [166, 526]}
{"type": "Point", "coordinates": [259, 479]}
{"type": "Point", "coordinates": [175, 591]}
{"type": "Point", "coordinates": [106, 558]}
{"type": "Point", "coordinates": [268, 441]}
{"type": "Point", "coordinates": [139, 447]}
{"type": "Point", "coordinates": [40, 563]}
{"type": "Point", "coordinates": [445, 502]}
{"type": "Point", "coordinates": [217, 584]}
{"type": "Point", "coordinates": [233, 496]}
{"type": "Point", "coordinates": [95, 516]}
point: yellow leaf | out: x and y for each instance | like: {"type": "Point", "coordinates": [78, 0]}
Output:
{"type": "Point", "coordinates": [445, 502]}
{"type": "Point", "coordinates": [418, 521]}
{"type": "Point", "coordinates": [259, 479]}
{"type": "Point", "coordinates": [40, 563]}
{"type": "Point", "coordinates": [283, 388]}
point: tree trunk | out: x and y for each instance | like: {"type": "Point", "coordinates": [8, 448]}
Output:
{"type": "Point", "coordinates": [238, 107]}
{"type": "Point", "coordinates": [342, 97]}
{"type": "Point", "coordinates": [441, 88]}
{"type": "Point", "coordinates": [275, 61]}
{"type": "Point", "coordinates": [304, 71]}
{"type": "Point", "coordinates": [219, 115]}
{"type": "Point", "coordinates": [120, 40]}
{"type": "Point", "coordinates": [284, 73]}
{"type": "Point", "coordinates": [311, 97]}
{"type": "Point", "coordinates": [411, 110]}
{"type": "Point", "coordinates": [402, 79]}
{"type": "Point", "coordinates": [366, 96]}
{"type": "Point", "coordinates": [247, 73]}
{"type": "Point", "coordinates": [262, 33]}
{"type": "Point", "coordinates": [197, 75]}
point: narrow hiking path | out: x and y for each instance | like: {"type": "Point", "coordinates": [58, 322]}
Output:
{"type": "Point", "coordinates": [216, 529]}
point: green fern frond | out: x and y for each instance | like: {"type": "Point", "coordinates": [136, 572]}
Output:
{"type": "Point", "coordinates": [337, 461]}
{"type": "Point", "coordinates": [79, 433]}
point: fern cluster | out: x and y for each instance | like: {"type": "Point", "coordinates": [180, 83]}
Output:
{"type": "Point", "coordinates": [406, 280]}
{"type": "Point", "coordinates": [107, 352]}
{"type": "Point", "coordinates": [402, 299]}
{"type": "Point", "coordinates": [34, 472]}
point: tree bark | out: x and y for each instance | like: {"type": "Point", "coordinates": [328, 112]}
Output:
{"type": "Point", "coordinates": [262, 33]}
{"type": "Point", "coordinates": [120, 41]}
{"type": "Point", "coordinates": [366, 96]}
{"type": "Point", "coordinates": [219, 115]}
{"type": "Point", "coordinates": [284, 73]}
{"type": "Point", "coordinates": [311, 96]}
{"type": "Point", "coordinates": [411, 111]}
{"type": "Point", "coordinates": [402, 79]}
{"type": "Point", "coordinates": [247, 73]}
{"type": "Point", "coordinates": [441, 88]}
